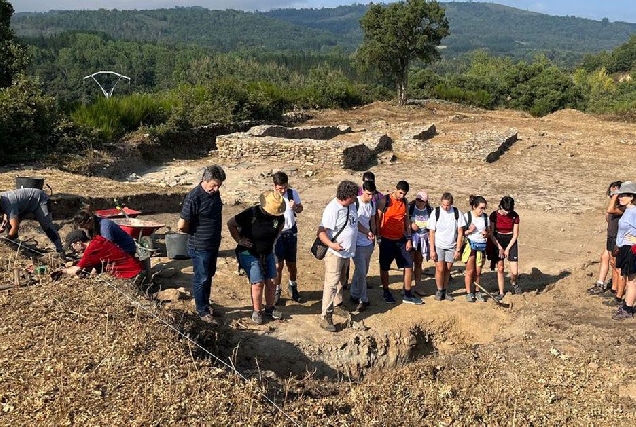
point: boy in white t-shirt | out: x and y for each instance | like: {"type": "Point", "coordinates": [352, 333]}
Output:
{"type": "Point", "coordinates": [338, 230]}
{"type": "Point", "coordinates": [286, 246]}
{"type": "Point", "coordinates": [364, 245]}
{"type": "Point", "coordinates": [446, 226]}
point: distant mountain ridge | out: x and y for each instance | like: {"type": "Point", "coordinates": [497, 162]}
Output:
{"type": "Point", "coordinates": [500, 29]}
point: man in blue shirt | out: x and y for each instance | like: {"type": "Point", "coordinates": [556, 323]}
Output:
{"type": "Point", "coordinates": [201, 219]}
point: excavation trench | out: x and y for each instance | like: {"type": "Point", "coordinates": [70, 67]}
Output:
{"type": "Point", "coordinates": [359, 353]}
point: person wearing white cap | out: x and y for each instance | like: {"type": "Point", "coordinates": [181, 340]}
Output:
{"type": "Point", "coordinates": [626, 245]}
{"type": "Point", "coordinates": [419, 213]}
{"type": "Point", "coordinates": [255, 230]}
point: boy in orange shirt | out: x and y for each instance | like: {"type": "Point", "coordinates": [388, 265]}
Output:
{"type": "Point", "coordinates": [395, 243]}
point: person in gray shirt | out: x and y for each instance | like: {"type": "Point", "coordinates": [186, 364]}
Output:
{"type": "Point", "coordinates": [15, 204]}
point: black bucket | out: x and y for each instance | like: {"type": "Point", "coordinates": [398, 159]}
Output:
{"type": "Point", "coordinates": [28, 182]}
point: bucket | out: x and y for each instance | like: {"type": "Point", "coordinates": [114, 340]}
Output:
{"type": "Point", "coordinates": [28, 182]}
{"type": "Point", "coordinates": [177, 245]}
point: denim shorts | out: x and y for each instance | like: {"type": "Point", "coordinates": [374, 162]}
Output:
{"type": "Point", "coordinates": [257, 272]}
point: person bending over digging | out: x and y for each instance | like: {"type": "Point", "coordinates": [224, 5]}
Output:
{"type": "Point", "coordinates": [100, 255]}
{"type": "Point", "coordinates": [15, 204]}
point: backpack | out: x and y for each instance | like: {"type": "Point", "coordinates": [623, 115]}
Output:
{"type": "Point", "coordinates": [455, 210]}
{"type": "Point", "coordinates": [428, 209]}
{"type": "Point", "coordinates": [290, 196]}
{"type": "Point", "coordinates": [387, 202]}
{"type": "Point", "coordinates": [470, 219]}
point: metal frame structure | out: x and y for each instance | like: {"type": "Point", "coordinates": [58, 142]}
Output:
{"type": "Point", "coordinates": [106, 93]}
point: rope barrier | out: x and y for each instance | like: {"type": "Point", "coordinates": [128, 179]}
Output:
{"type": "Point", "coordinates": [196, 344]}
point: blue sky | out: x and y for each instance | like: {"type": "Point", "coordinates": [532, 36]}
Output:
{"type": "Point", "coordinates": [614, 10]}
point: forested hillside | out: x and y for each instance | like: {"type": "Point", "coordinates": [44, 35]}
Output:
{"type": "Point", "coordinates": [499, 29]}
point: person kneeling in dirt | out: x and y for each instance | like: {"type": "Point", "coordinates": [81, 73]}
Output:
{"type": "Point", "coordinates": [100, 255]}
{"type": "Point", "coordinates": [255, 230]}
{"type": "Point", "coordinates": [15, 204]}
{"type": "Point", "coordinates": [108, 229]}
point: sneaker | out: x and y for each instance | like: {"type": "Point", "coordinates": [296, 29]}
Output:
{"type": "Point", "coordinates": [293, 291]}
{"type": "Point", "coordinates": [448, 296]}
{"type": "Point", "coordinates": [208, 318]}
{"type": "Point", "coordinates": [479, 297]}
{"type": "Point", "coordinates": [411, 299]}
{"type": "Point", "coordinates": [388, 297]}
{"type": "Point", "coordinates": [326, 323]}
{"type": "Point", "coordinates": [516, 289]}
{"type": "Point", "coordinates": [277, 295]}
{"type": "Point", "coordinates": [614, 302]}
{"type": "Point", "coordinates": [341, 311]}
{"type": "Point", "coordinates": [439, 295]}
{"type": "Point", "coordinates": [622, 313]}
{"type": "Point", "coordinates": [499, 297]}
{"type": "Point", "coordinates": [272, 313]}
{"type": "Point", "coordinates": [595, 290]}
{"type": "Point", "coordinates": [470, 297]}
{"type": "Point", "coordinates": [360, 307]}
{"type": "Point", "coordinates": [257, 317]}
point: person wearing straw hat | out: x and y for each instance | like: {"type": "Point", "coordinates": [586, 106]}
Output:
{"type": "Point", "coordinates": [255, 230]}
{"type": "Point", "coordinates": [626, 249]}
{"type": "Point", "coordinates": [15, 204]}
{"type": "Point", "coordinates": [201, 218]}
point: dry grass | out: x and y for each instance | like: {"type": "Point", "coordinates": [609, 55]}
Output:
{"type": "Point", "coordinates": [90, 351]}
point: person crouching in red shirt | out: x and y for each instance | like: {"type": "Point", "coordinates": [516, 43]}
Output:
{"type": "Point", "coordinates": [101, 255]}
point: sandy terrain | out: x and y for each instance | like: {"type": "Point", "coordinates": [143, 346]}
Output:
{"type": "Point", "coordinates": [557, 172]}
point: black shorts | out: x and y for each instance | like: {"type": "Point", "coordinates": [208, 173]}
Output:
{"type": "Point", "coordinates": [611, 242]}
{"type": "Point", "coordinates": [504, 240]}
{"type": "Point", "coordinates": [626, 260]}
{"type": "Point", "coordinates": [394, 250]}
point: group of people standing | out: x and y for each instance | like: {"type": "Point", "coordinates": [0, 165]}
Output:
{"type": "Point", "coordinates": [410, 233]}
{"type": "Point", "coordinates": [619, 255]}
{"type": "Point", "coordinates": [266, 235]}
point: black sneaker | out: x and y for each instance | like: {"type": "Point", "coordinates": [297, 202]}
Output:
{"type": "Point", "coordinates": [326, 323]}
{"type": "Point", "coordinates": [622, 313]}
{"type": "Point", "coordinates": [272, 313]}
{"type": "Point", "coordinates": [614, 302]}
{"type": "Point", "coordinates": [388, 297]}
{"type": "Point", "coordinates": [293, 291]}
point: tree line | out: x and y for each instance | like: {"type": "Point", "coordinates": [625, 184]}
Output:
{"type": "Point", "coordinates": [48, 108]}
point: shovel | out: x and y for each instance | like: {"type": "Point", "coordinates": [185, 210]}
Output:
{"type": "Point", "coordinates": [491, 296]}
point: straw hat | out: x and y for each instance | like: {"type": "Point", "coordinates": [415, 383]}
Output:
{"type": "Point", "coordinates": [272, 203]}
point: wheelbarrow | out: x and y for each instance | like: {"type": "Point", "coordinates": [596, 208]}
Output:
{"type": "Point", "coordinates": [117, 213]}
{"type": "Point", "coordinates": [142, 232]}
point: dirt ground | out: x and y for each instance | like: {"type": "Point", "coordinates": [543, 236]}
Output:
{"type": "Point", "coordinates": [554, 358]}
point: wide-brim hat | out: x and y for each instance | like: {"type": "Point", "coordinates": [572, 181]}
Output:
{"type": "Point", "coordinates": [75, 236]}
{"type": "Point", "coordinates": [272, 203]}
{"type": "Point", "coordinates": [628, 187]}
